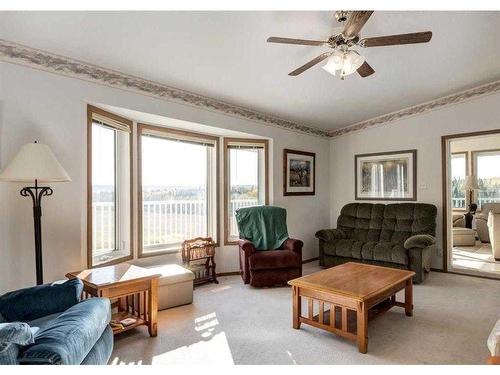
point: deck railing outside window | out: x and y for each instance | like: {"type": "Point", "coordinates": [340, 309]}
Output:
{"type": "Point", "coordinates": [233, 206]}
{"type": "Point", "coordinates": [460, 202]}
{"type": "Point", "coordinates": [164, 222]}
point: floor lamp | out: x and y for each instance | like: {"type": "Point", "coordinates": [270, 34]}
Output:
{"type": "Point", "coordinates": [470, 185]}
{"type": "Point", "coordinates": [35, 163]}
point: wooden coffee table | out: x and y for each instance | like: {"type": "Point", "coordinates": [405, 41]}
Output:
{"type": "Point", "coordinates": [355, 293]}
{"type": "Point", "coordinates": [135, 288]}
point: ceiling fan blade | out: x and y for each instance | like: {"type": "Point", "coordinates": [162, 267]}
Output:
{"type": "Point", "coordinates": [391, 40]}
{"type": "Point", "coordinates": [305, 42]}
{"type": "Point", "coordinates": [355, 22]}
{"type": "Point", "coordinates": [310, 64]}
{"type": "Point", "coordinates": [365, 70]}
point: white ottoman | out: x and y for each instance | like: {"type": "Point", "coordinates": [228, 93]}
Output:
{"type": "Point", "coordinates": [175, 286]}
{"type": "Point", "coordinates": [464, 237]}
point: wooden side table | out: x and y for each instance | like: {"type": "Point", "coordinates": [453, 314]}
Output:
{"type": "Point", "coordinates": [198, 255]}
{"type": "Point", "coordinates": [135, 288]}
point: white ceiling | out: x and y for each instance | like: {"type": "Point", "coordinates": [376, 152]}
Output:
{"type": "Point", "coordinates": [225, 55]}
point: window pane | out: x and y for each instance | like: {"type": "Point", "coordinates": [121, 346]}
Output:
{"type": "Point", "coordinates": [246, 183]}
{"type": "Point", "coordinates": [488, 174]}
{"type": "Point", "coordinates": [458, 172]}
{"type": "Point", "coordinates": [175, 192]}
{"type": "Point", "coordinates": [110, 194]}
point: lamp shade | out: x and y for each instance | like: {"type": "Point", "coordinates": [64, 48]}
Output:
{"type": "Point", "coordinates": [470, 183]}
{"type": "Point", "coordinates": [34, 161]}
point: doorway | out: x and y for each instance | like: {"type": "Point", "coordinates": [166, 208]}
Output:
{"type": "Point", "coordinates": [471, 203]}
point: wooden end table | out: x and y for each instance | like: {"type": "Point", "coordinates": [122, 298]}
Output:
{"type": "Point", "coordinates": [135, 288]}
{"type": "Point", "coordinates": [355, 293]}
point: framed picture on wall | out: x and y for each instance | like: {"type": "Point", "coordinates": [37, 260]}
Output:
{"type": "Point", "coordinates": [298, 172]}
{"type": "Point", "coordinates": [388, 176]}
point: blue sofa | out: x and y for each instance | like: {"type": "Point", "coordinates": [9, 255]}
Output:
{"type": "Point", "coordinates": [48, 324]}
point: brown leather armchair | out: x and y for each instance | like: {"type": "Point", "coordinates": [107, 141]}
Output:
{"type": "Point", "coordinates": [261, 268]}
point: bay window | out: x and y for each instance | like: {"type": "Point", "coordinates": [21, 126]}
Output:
{"type": "Point", "coordinates": [109, 179]}
{"type": "Point", "coordinates": [245, 179]}
{"type": "Point", "coordinates": [177, 174]}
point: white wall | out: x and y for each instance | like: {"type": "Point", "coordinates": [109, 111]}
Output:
{"type": "Point", "coordinates": [422, 132]}
{"type": "Point", "coordinates": [36, 105]}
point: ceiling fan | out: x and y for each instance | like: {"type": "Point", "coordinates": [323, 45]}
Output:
{"type": "Point", "coordinates": [343, 58]}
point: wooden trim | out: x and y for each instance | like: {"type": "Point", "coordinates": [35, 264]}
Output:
{"type": "Point", "coordinates": [444, 197]}
{"type": "Point", "coordinates": [112, 116]}
{"type": "Point", "coordinates": [287, 151]}
{"type": "Point", "coordinates": [467, 171]}
{"type": "Point", "coordinates": [180, 132]}
{"type": "Point", "coordinates": [310, 260]}
{"type": "Point", "coordinates": [161, 129]}
{"type": "Point", "coordinates": [444, 186]}
{"type": "Point", "coordinates": [90, 110]}
{"type": "Point", "coordinates": [226, 141]}
{"type": "Point", "coordinates": [414, 156]}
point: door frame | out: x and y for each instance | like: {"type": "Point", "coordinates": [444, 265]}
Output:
{"type": "Point", "coordinates": [445, 140]}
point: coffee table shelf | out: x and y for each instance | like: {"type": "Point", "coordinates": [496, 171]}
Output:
{"type": "Point", "coordinates": [356, 293]}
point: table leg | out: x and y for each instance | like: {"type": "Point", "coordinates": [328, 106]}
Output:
{"type": "Point", "coordinates": [296, 302]}
{"type": "Point", "coordinates": [362, 327]}
{"type": "Point", "coordinates": [153, 308]}
{"type": "Point", "coordinates": [409, 297]}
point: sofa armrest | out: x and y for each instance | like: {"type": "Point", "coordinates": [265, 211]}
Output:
{"type": "Point", "coordinates": [247, 247]}
{"type": "Point", "coordinates": [293, 245]}
{"type": "Point", "coordinates": [41, 300]}
{"type": "Point", "coordinates": [419, 241]}
{"type": "Point", "coordinates": [71, 336]}
{"type": "Point", "coordinates": [481, 216]}
{"type": "Point", "coordinates": [330, 234]}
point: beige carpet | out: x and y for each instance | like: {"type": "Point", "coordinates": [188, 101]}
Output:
{"type": "Point", "coordinates": [231, 323]}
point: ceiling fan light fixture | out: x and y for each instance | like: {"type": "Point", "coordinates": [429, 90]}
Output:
{"type": "Point", "coordinates": [346, 62]}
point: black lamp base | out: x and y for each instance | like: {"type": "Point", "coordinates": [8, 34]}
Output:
{"type": "Point", "coordinates": [36, 193]}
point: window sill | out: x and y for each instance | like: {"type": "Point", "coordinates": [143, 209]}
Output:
{"type": "Point", "coordinates": [149, 254]}
{"type": "Point", "coordinates": [111, 262]}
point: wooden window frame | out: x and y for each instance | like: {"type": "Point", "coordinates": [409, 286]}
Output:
{"type": "Point", "coordinates": [475, 194]}
{"type": "Point", "coordinates": [129, 124]}
{"type": "Point", "coordinates": [467, 171]}
{"type": "Point", "coordinates": [180, 133]}
{"type": "Point", "coordinates": [227, 141]}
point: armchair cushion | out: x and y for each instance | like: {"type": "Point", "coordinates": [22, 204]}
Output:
{"type": "Point", "coordinates": [420, 241]}
{"type": "Point", "coordinates": [15, 333]}
{"type": "Point", "coordinates": [35, 302]}
{"type": "Point", "coordinates": [12, 336]}
{"type": "Point", "coordinates": [330, 234]}
{"type": "Point", "coordinates": [274, 259]}
{"type": "Point", "coordinates": [72, 335]}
